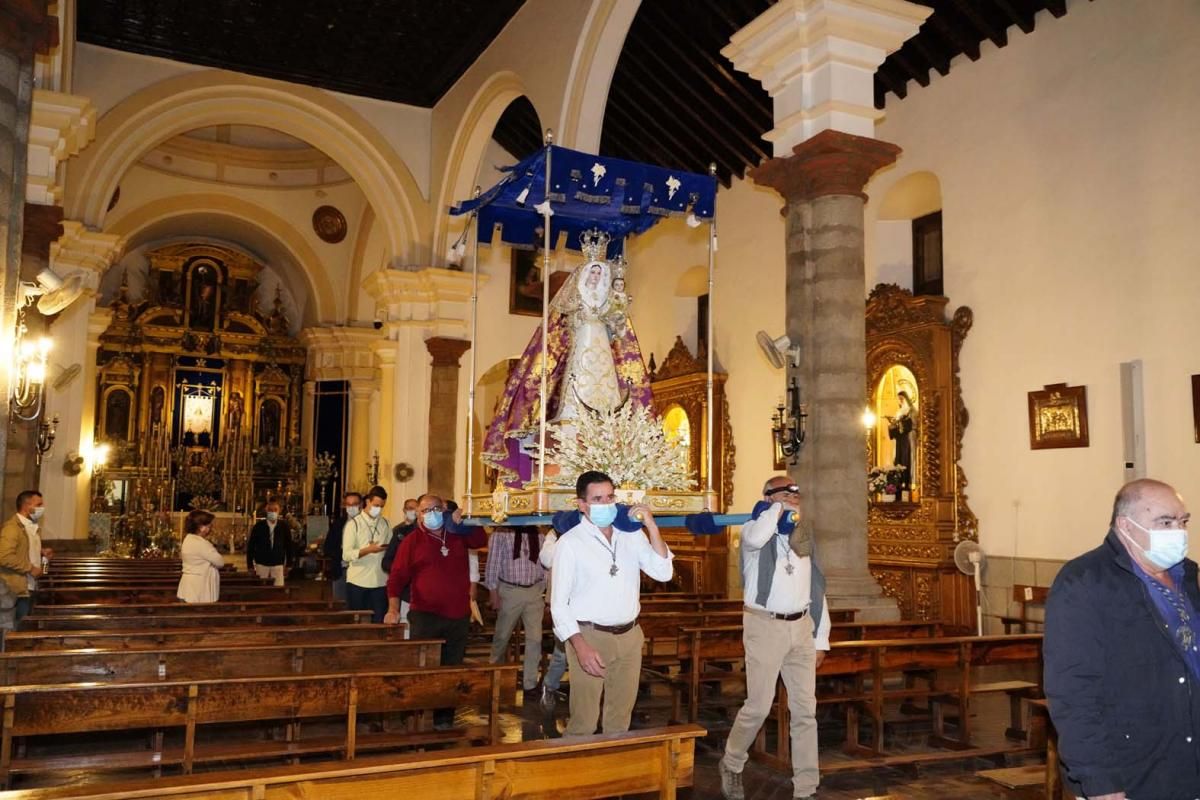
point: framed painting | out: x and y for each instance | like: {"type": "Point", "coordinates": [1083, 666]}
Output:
{"type": "Point", "coordinates": [1196, 406]}
{"type": "Point", "coordinates": [525, 286]}
{"type": "Point", "coordinates": [1058, 417]}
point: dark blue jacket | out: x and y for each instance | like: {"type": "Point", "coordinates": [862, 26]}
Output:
{"type": "Point", "coordinates": [1125, 704]}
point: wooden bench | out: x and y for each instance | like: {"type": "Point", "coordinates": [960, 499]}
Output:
{"type": "Point", "coordinates": [1026, 598]}
{"type": "Point", "coordinates": [164, 593]}
{"type": "Point", "coordinates": [211, 662]}
{"type": "Point", "coordinates": [658, 761]}
{"type": "Point", "coordinates": [96, 622]}
{"type": "Point", "coordinates": [190, 706]}
{"type": "Point", "coordinates": [196, 637]}
{"type": "Point", "coordinates": [180, 607]}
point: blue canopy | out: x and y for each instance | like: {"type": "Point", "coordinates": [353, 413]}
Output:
{"type": "Point", "coordinates": [586, 192]}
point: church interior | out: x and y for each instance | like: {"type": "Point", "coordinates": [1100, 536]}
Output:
{"type": "Point", "coordinates": [261, 252]}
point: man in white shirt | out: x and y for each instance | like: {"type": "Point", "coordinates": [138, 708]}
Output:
{"type": "Point", "coordinates": [785, 632]}
{"type": "Point", "coordinates": [594, 602]}
{"type": "Point", "coordinates": [364, 541]}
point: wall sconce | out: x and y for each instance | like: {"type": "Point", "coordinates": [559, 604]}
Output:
{"type": "Point", "coordinates": [868, 419]}
{"type": "Point", "coordinates": [789, 425]}
{"type": "Point", "coordinates": [72, 464]}
{"type": "Point", "coordinates": [47, 430]}
{"type": "Point", "coordinates": [29, 375]}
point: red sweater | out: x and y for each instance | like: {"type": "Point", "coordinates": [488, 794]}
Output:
{"type": "Point", "coordinates": [440, 584]}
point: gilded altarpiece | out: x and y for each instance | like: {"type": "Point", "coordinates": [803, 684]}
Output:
{"type": "Point", "coordinates": [680, 387]}
{"type": "Point", "coordinates": [915, 398]}
{"type": "Point", "coordinates": [198, 392]}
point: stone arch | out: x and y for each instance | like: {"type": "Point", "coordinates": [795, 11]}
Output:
{"type": "Point", "coordinates": [177, 105]}
{"type": "Point", "coordinates": [902, 198]}
{"type": "Point", "coordinates": [596, 54]}
{"type": "Point", "coordinates": [466, 151]}
{"type": "Point", "coordinates": [914, 195]}
{"type": "Point", "coordinates": [146, 222]}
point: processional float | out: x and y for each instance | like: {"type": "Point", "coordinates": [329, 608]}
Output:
{"type": "Point", "coordinates": [594, 203]}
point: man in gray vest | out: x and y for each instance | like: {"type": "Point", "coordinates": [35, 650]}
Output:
{"type": "Point", "coordinates": [785, 631]}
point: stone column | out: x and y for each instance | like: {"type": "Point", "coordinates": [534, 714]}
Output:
{"type": "Point", "coordinates": [822, 183]}
{"type": "Point", "coordinates": [359, 451]}
{"type": "Point", "coordinates": [817, 59]}
{"type": "Point", "coordinates": [25, 30]}
{"type": "Point", "coordinates": [385, 357]}
{"type": "Point", "coordinates": [443, 411]}
{"type": "Point", "coordinates": [308, 408]}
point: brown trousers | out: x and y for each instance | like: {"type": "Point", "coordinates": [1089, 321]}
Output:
{"type": "Point", "coordinates": [622, 655]}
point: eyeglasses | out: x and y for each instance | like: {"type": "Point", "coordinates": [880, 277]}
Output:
{"type": "Point", "coordinates": [431, 508]}
{"type": "Point", "coordinates": [790, 488]}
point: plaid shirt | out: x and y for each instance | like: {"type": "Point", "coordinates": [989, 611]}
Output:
{"type": "Point", "coordinates": [501, 566]}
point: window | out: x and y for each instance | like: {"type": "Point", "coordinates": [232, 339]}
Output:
{"type": "Point", "coordinates": [927, 254]}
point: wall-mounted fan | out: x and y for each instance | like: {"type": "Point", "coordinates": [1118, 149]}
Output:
{"type": "Point", "coordinates": [969, 558]}
{"type": "Point", "coordinates": [779, 350]}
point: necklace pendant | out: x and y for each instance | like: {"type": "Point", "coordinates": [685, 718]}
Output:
{"type": "Point", "coordinates": [789, 569]}
{"type": "Point", "coordinates": [1186, 637]}
{"type": "Point", "coordinates": [445, 551]}
{"type": "Point", "coordinates": [613, 570]}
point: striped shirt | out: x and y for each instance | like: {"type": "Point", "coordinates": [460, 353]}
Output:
{"type": "Point", "coordinates": [501, 566]}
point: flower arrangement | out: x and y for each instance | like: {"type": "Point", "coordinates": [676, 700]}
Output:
{"type": "Point", "coordinates": [884, 479]}
{"type": "Point", "coordinates": [270, 460]}
{"type": "Point", "coordinates": [324, 467]}
{"type": "Point", "coordinates": [628, 443]}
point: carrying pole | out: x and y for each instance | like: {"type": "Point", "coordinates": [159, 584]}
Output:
{"type": "Point", "coordinates": [545, 317]}
{"type": "Point", "coordinates": [710, 347]}
{"type": "Point", "coordinates": [474, 347]}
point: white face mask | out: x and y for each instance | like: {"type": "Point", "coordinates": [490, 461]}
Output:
{"type": "Point", "coordinates": [272, 516]}
{"type": "Point", "coordinates": [1168, 546]}
{"type": "Point", "coordinates": [375, 511]}
{"type": "Point", "coordinates": [411, 515]}
{"type": "Point", "coordinates": [352, 511]}
{"type": "Point", "coordinates": [36, 514]}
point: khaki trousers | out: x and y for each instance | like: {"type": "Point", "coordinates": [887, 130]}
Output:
{"type": "Point", "coordinates": [274, 573]}
{"type": "Point", "coordinates": [777, 648]}
{"type": "Point", "coordinates": [524, 603]}
{"type": "Point", "coordinates": [622, 655]}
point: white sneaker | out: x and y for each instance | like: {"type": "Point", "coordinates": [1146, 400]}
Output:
{"type": "Point", "coordinates": [731, 783]}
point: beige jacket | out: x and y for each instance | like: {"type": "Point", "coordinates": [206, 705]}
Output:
{"type": "Point", "coordinates": [14, 556]}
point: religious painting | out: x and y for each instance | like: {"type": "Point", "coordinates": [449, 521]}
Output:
{"type": "Point", "coordinates": [202, 298]}
{"type": "Point", "coordinates": [158, 398]}
{"type": "Point", "coordinates": [1196, 406]}
{"type": "Point", "coordinates": [117, 406]}
{"type": "Point", "coordinates": [197, 420]}
{"type": "Point", "coordinates": [896, 432]}
{"type": "Point", "coordinates": [1058, 417]}
{"type": "Point", "coordinates": [678, 428]}
{"type": "Point", "coordinates": [270, 423]}
{"type": "Point", "coordinates": [525, 287]}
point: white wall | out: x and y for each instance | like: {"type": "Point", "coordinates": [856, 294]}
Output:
{"type": "Point", "coordinates": [1068, 177]}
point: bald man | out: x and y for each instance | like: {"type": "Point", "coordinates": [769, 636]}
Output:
{"type": "Point", "coordinates": [1122, 655]}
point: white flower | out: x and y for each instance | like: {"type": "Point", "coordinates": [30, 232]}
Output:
{"type": "Point", "coordinates": [628, 444]}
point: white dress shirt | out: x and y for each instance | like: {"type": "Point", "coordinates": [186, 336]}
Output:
{"type": "Point", "coordinates": [359, 532]}
{"type": "Point", "coordinates": [583, 588]}
{"type": "Point", "coordinates": [789, 593]}
{"type": "Point", "coordinates": [35, 548]}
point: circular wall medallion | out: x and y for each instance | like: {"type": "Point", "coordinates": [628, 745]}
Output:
{"type": "Point", "coordinates": [330, 224]}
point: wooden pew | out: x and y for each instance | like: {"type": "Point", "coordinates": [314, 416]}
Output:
{"type": "Point", "coordinates": [201, 619]}
{"type": "Point", "coordinates": [190, 706]}
{"type": "Point", "coordinates": [180, 607]}
{"type": "Point", "coordinates": [162, 593]}
{"type": "Point", "coordinates": [1026, 598]}
{"type": "Point", "coordinates": [238, 579]}
{"type": "Point", "coordinates": [212, 662]}
{"type": "Point", "coordinates": [658, 761]}
{"type": "Point", "coordinates": [196, 637]}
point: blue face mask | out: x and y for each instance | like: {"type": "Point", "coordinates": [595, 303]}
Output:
{"type": "Point", "coordinates": [1168, 546]}
{"type": "Point", "coordinates": [432, 519]}
{"type": "Point", "coordinates": [602, 514]}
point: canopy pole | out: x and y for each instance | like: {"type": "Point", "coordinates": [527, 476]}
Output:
{"type": "Point", "coordinates": [545, 317]}
{"type": "Point", "coordinates": [474, 349]}
{"type": "Point", "coordinates": [710, 344]}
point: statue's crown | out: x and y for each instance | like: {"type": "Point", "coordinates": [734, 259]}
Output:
{"type": "Point", "coordinates": [594, 244]}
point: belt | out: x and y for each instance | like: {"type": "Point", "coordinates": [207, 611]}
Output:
{"type": "Point", "coordinates": [773, 615]}
{"type": "Point", "coordinates": [521, 585]}
{"type": "Point", "coordinates": [616, 629]}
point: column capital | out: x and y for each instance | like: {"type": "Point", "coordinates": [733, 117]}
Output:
{"type": "Point", "coordinates": [339, 353]}
{"type": "Point", "coordinates": [817, 60]}
{"type": "Point", "coordinates": [43, 226]}
{"type": "Point", "coordinates": [310, 388]}
{"type": "Point", "coordinates": [445, 351]}
{"type": "Point", "coordinates": [26, 28]}
{"type": "Point", "coordinates": [830, 163]}
{"type": "Point", "coordinates": [60, 125]}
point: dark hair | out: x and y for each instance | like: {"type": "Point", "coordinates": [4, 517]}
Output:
{"type": "Point", "coordinates": [587, 479]}
{"type": "Point", "coordinates": [348, 495]}
{"type": "Point", "coordinates": [377, 491]}
{"type": "Point", "coordinates": [25, 496]}
{"type": "Point", "coordinates": [197, 520]}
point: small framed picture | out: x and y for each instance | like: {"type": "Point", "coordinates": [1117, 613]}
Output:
{"type": "Point", "coordinates": [1058, 417]}
{"type": "Point", "coordinates": [1196, 406]}
{"type": "Point", "coordinates": [525, 288]}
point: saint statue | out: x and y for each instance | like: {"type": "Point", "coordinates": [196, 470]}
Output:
{"type": "Point", "coordinates": [593, 362]}
{"type": "Point", "coordinates": [901, 429]}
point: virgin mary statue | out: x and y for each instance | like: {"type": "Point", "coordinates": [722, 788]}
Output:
{"type": "Point", "coordinates": [593, 361]}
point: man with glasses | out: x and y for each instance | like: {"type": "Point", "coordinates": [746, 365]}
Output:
{"type": "Point", "coordinates": [436, 567]}
{"type": "Point", "coordinates": [1122, 655]}
{"type": "Point", "coordinates": [785, 632]}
